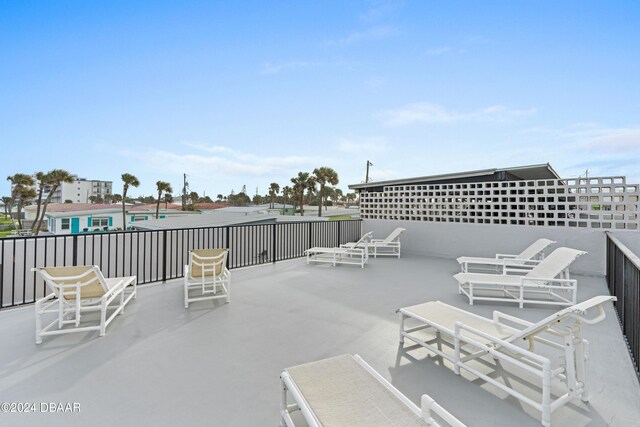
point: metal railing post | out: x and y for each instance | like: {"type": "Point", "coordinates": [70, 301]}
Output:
{"type": "Point", "coordinates": [226, 244]}
{"type": "Point", "coordinates": [74, 258]}
{"type": "Point", "coordinates": [273, 242]}
{"type": "Point", "coordinates": [339, 242]}
{"type": "Point", "coordinates": [164, 256]}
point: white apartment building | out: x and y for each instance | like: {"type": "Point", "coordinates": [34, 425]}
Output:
{"type": "Point", "coordinates": [78, 191]}
{"type": "Point", "coordinates": [81, 189]}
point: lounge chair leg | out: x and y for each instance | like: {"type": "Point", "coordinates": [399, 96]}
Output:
{"type": "Point", "coordinates": [38, 324]}
{"type": "Point", "coordinates": [401, 328]}
{"type": "Point", "coordinates": [103, 319]}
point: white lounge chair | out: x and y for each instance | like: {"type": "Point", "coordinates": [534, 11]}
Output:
{"type": "Point", "coordinates": [77, 290]}
{"type": "Point", "coordinates": [334, 256]}
{"type": "Point", "coordinates": [207, 276]}
{"type": "Point", "coordinates": [346, 391]}
{"type": "Point", "coordinates": [546, 283]}
{"type": "Point", "coordinates": [527, 258]}
{"type": "Point", "coordinates": [469, 339]}
{"type": "Point", "coordinates": [362, 243]}
{"type": "Point", "coordinates": [390, 246]}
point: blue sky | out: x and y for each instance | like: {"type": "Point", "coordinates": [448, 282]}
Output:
{"type": "Point", "coordinates": [248, 93]}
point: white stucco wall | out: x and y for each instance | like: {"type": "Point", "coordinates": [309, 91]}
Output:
{"type": "Point", "coordinates": [451, 240]}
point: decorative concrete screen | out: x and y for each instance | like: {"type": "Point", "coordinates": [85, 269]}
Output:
{"type": "Point", "coordinates": [607, 202]}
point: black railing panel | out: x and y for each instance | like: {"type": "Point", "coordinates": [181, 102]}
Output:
{"type": "Point", "coordinates": [623, 280]}
{"type": "Point", "coordinates": [157, 255]}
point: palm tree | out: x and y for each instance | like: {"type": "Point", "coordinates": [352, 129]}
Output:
{"type": "Point", "coordinates": [219, 197]}
{"type": "Point", "coordinates": [300, 183]}
{"type": "Point", "coordinates": [165, 187]}
{"type": "Point", "coordinates": [194, 198]}
{"type": "Point", "coordinates": [128, 181]}
{"type": "Point", "coordinates": [274, 189]}
{"type": "Point", "coordinates": [53, 179]}
{"type": "Point", "coordinates": [40, 176]}
{"type": "Point", "coordinates": [8, 204]}
{"type": "Point", "coordinates": [22, 191]}
{"type": "Point", "coordinates": [323, 176]}
{"type": "Point", "coordinates": [286, 192]}
{"type": "Point", "coordinates": [168, 198]}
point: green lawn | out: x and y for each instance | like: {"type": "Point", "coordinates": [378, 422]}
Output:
{"type": "Point", "coordinates": [340, 218]}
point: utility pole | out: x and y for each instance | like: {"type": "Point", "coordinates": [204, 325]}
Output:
{"type": "Point", "coordinates": [367, 177]}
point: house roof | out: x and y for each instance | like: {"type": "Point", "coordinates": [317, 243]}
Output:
{"type": "Point", "coordinates": [152, 207]}
{"type": "Point", "coordinates": [219, 219]}
{"type": "Point", "coordinates": [210, 206]}
{"type": "Point", "coordinates": [530, 172]}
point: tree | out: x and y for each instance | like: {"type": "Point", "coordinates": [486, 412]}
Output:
{"type": "Point", "coordinates": [163, 187]}
{"type": "Point", "coordinates": [116, 198]}
{"type": "Point", "coordinates": [95, 199]}
{"type": "Point", "coordinates": [301, 183]}
{"type": "Point", "coordinates": [219, 197]}
{"type": "Point", "coordinates": [194, 198]}
{"type": "Point", "coordinates": [168, 198]}
{"type": "Point", "coordinates": [274, 189]}
{"type": "Point", "coordinates": [8, 204]}
{"type": "Point", "coordinates": [323, 176]}
{"type": "Point", "coordinates": [128, 180]}
{"type": "Point", "coordinates": [53, 179]}
{"type": "Point", "coordinates": [22, 191]}
{"type": "Point", "coordinates": [67, 201]}
{"type": "Point", "coordinates": [286, 192]}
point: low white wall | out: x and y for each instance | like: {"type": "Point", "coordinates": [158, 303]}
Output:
{"type": "Point", "coordinates": [451, 240]}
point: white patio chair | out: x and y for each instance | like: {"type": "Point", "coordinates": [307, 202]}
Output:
{"type": "Point", "coordinates": [389, 246]}
{"type": "Point", "coordinates": [528, 258]}
{"type": "Point", "coordinates": [362, 243]}
{"type": "Point", "coordinates": [546, 283]}
{"type": "Point", "coordinates": [346, 391]}
{"type": "Point", "coordinates": [473, 342]}
{"type": "Point", "coordinates": [77, 290]}
{"type": "Point", "coordinates": [206, 277]}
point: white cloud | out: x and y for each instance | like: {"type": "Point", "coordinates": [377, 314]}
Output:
{"type": "Point", "coordinates": [215, 161]}
{"type": "Point", "coordinates": [274, 68]}
{"type": "Point", "coordinates": [433, 113]}
{"type": "Point", "coordinates": [439, 50]}
{"type": "Point", "coordinates": [374, 33]}
{"type": "Point", "coordinates": [618, 141]}
{"type": "Point", "coordinates": [367, 145]}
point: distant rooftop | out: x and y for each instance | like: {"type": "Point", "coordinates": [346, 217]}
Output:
{"type": "Point", "coordinates": [531, 172]}
{"type": "Point", "coordinates": [217, 219]}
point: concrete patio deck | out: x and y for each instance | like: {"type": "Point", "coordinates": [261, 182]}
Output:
{"type": "Point", "coordinates": [218, 364]}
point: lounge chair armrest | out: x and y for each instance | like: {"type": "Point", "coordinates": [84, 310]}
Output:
{"type": "Point", "coordinates": [525, 279]}
{"type": "Point", "coordinates": [428, 405]}
{"type": "Point", "coordinates": [505, 256]}
{"type": "Point", "coordinates": [499, 316]}
{"type": "Point", "coordinates": [495, 343]}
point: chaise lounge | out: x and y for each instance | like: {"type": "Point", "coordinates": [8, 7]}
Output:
{"type": "Point", "coordinates": [77, 290]}
{"type": "Point", "coordinates": [546, 283]}
{"type": "Point", "coordinates": [346, 391]}
{"type": "Point", "coordinates": [470, 340]}
{"type": "Point", "coordinates": [528, 258]}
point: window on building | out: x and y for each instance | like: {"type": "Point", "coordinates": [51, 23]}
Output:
{"type": "Point", "coordinates": [139, 218]}
{"type": "Point", "coordinates": [65, 224]}
{"type": "Point", "coordinates": [100, 222]}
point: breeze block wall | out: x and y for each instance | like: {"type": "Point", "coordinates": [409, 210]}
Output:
{"type": "Point", "coordinates": [482, 219]}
